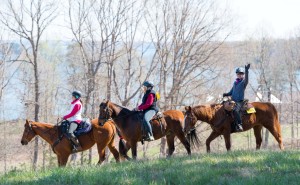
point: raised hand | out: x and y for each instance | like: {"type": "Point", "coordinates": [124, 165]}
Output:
{"type": "Point", "coordinates": [247, 66]}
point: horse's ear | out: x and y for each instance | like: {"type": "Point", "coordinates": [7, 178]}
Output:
{"type": "Point", "coordinates": [27, 122]}
{"type": "Point", "coordinates": [188, 108]}
{"type": "Point", "coordinates": [107, 101]}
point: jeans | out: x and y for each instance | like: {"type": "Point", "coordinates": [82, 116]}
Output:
{"type": "Point", "coordinates": [236, 112]}
{"type": "Point", "coordinates": [148, 115]}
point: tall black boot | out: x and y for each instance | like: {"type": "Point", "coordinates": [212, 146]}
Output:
{"type": "Point", "coordinates": [76, 145]}
{"type": "Point", "coordinates": [238, 121]}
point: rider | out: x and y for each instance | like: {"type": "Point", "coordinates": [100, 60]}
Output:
{"type": "Point", "coordinates": [149, 107]}
{"type": "Point", "coordinates": [237, 93]}
{"type": "Point", "coordinates": [74, 117]}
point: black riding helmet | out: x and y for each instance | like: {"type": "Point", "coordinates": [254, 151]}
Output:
{"type": "Point", "coordinates": [240, 70]}
{"type": "Point", "coordinates": [148, 84]}
{"type": "Point", "coordinates": [76, 94]}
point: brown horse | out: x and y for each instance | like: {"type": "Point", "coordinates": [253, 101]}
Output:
{"type": "Point", "coordinates": [103, 136]}
{"type": "Point", "coordinates": [130, 126]}
{"type": "Point", "coordinates": [215, 115]}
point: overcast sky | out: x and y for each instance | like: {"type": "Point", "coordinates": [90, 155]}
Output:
{"type": "Point", "coordinates": [279, 18]}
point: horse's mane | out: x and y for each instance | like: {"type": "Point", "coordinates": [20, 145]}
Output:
{"type": "Point", "coordinates": [208, 111]}
{"type": "Point", "coordinates": [124, 111]}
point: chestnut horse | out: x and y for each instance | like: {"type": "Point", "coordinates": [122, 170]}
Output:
{"type": "Point", "coordinates": [103, 136]}
{"type": "Point", "coordinates": [130, 126]}
{"type": "Point", "coordinates": [215, 115]}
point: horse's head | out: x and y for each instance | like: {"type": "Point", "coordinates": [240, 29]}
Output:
{"type": "Point", "coordinates": [105, 113]}
{"type": "Point", "coordinates": [28, 133]}
{"type": "Point", "coordinates": [190, 120]}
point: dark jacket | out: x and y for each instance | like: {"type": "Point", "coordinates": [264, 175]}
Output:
{"type": "Point", "coordinates": [154, 105]}
{"type": "Point", "coordinates": [237, 92]}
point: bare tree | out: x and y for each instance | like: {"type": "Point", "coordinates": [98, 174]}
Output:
{"type": "Point", "coordinates": [28, 20]}
{"type": "Point", "coordinates": [185, 36]}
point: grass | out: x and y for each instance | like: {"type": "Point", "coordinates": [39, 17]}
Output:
{"type": "Point", "coordinates": [238, 167]}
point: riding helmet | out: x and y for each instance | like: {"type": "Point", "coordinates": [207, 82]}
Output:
{"type": "Point", "coordinates": [240, 70]}
{"type": "Point", "coordinates": [76, 94]}
{"type": "Point", "coordinates": [148, 84]}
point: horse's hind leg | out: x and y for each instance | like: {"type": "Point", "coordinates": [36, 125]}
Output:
{"type": "Point", "coordinates": [276, 132]}
{"type": "Point", "coordinates": [258, 137]}
{"type": "Point", "coordinates": [170, 142]}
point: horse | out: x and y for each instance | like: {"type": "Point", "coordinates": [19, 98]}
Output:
{"type": "Point", "coordinates": [130, 126]}
{"type": "Point", "coordinates": [216, 116]}
{"type": "Point", "coordinates": [103, 136]}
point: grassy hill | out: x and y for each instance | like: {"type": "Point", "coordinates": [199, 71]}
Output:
{"type": "Point", "coordinates": [238, 167]}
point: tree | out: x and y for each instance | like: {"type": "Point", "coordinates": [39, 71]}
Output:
{"type": "Point", "coordinates": [186, 36]}
{"type": "Point", "coordinates": [29, 20]}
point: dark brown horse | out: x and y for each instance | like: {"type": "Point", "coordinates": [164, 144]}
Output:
{"type": "Point", "coordinates": [103, 136]}
{"type": "Point", "coordinates": [215, 115]}
{"type": "Point", "coordinates": [130, 126]}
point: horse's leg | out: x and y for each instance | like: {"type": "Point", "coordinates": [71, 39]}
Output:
{"type": "Point", "coordinates": [62, 160]}
{"type": "Point", "coordinates": [184, 141]}
{"type": "Point", "coordinates": [257, 134]}
{"type": "Point", "coordinates": [101, 152]}
{"type": "Point", "coordinates": [227, 139]}
{"type": "Point", "coordinates": [134, 149]}
{"type": "Point", "coordinates": [170, 143]}
{"type": "Point", "coordinates": [123, 149]}
{"type": "Point", "coordinates": [211, 137]}
{"type": "Point", "coordinates": [276, 132]}
{"type": "Point", "coordinates": [113, 150]}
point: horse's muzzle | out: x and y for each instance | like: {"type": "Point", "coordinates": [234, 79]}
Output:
{"type": "Point", "coordinates": [101, 123]}
{"type": "Point", "coordinates": [24, 142]}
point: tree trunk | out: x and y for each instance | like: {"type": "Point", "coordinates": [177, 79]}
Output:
{"type": "Point", "coordinates": [36, 111]}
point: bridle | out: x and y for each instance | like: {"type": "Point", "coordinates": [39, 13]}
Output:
{"type": "Point", "coordinates": [107, 115]}
{"type": "Point", "coordinates": [190, 117]}
{"type": "Point", "coordinates": [28, 131]}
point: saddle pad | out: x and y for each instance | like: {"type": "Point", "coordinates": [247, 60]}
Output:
{"type": "Point", "coordinates": [251, 110]}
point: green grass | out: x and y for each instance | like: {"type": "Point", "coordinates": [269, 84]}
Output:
{"type": "Point", "coordinates": [238, 167]}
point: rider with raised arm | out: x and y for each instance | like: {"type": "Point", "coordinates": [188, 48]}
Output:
{"type": "Point", "coordinates": [237, 93]}
{"type": "Point", "coordinates": [149, 107]}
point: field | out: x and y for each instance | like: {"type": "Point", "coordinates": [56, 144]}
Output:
{"type": "Point", "coordinates": [238, 167]}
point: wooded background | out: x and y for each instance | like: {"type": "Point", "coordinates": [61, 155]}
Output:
{"type": "Point", "coordinates": [113, 46]}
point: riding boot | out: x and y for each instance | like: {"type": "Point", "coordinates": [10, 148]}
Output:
{"type": "Point", "coordinates": [76, 145]}
{"type": "Point", "coordinates": [238, 121]}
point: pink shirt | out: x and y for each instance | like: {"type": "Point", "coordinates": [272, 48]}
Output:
{"type": "Point", "coordinates": [149, 102]}
{"type": "Point", "coordinates": [76, 108]}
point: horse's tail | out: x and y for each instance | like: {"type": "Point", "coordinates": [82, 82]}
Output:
{"type": "Point", "coordinates": [193, 139]}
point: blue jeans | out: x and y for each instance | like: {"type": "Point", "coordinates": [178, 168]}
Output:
{"type": "Point", "coordinates": [236, 112]}
{"type": "Point", "coordinates": [148, 115]}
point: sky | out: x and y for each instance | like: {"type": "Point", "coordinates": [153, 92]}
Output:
{"type": "Point", "coordinates": [279, 18]}
{"type": "Point", "coordinates": [276, 18]}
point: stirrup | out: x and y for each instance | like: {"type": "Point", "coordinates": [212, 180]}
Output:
{"type": "Point", "coordinates": [239, 128]}
{"type": "Point", "coordinates": [149, 138]}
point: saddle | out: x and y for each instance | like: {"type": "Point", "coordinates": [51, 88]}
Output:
{"type": "Point", "coordinates": [85, 126]}
{"type": "Point", "coordinates": [247, 108]}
